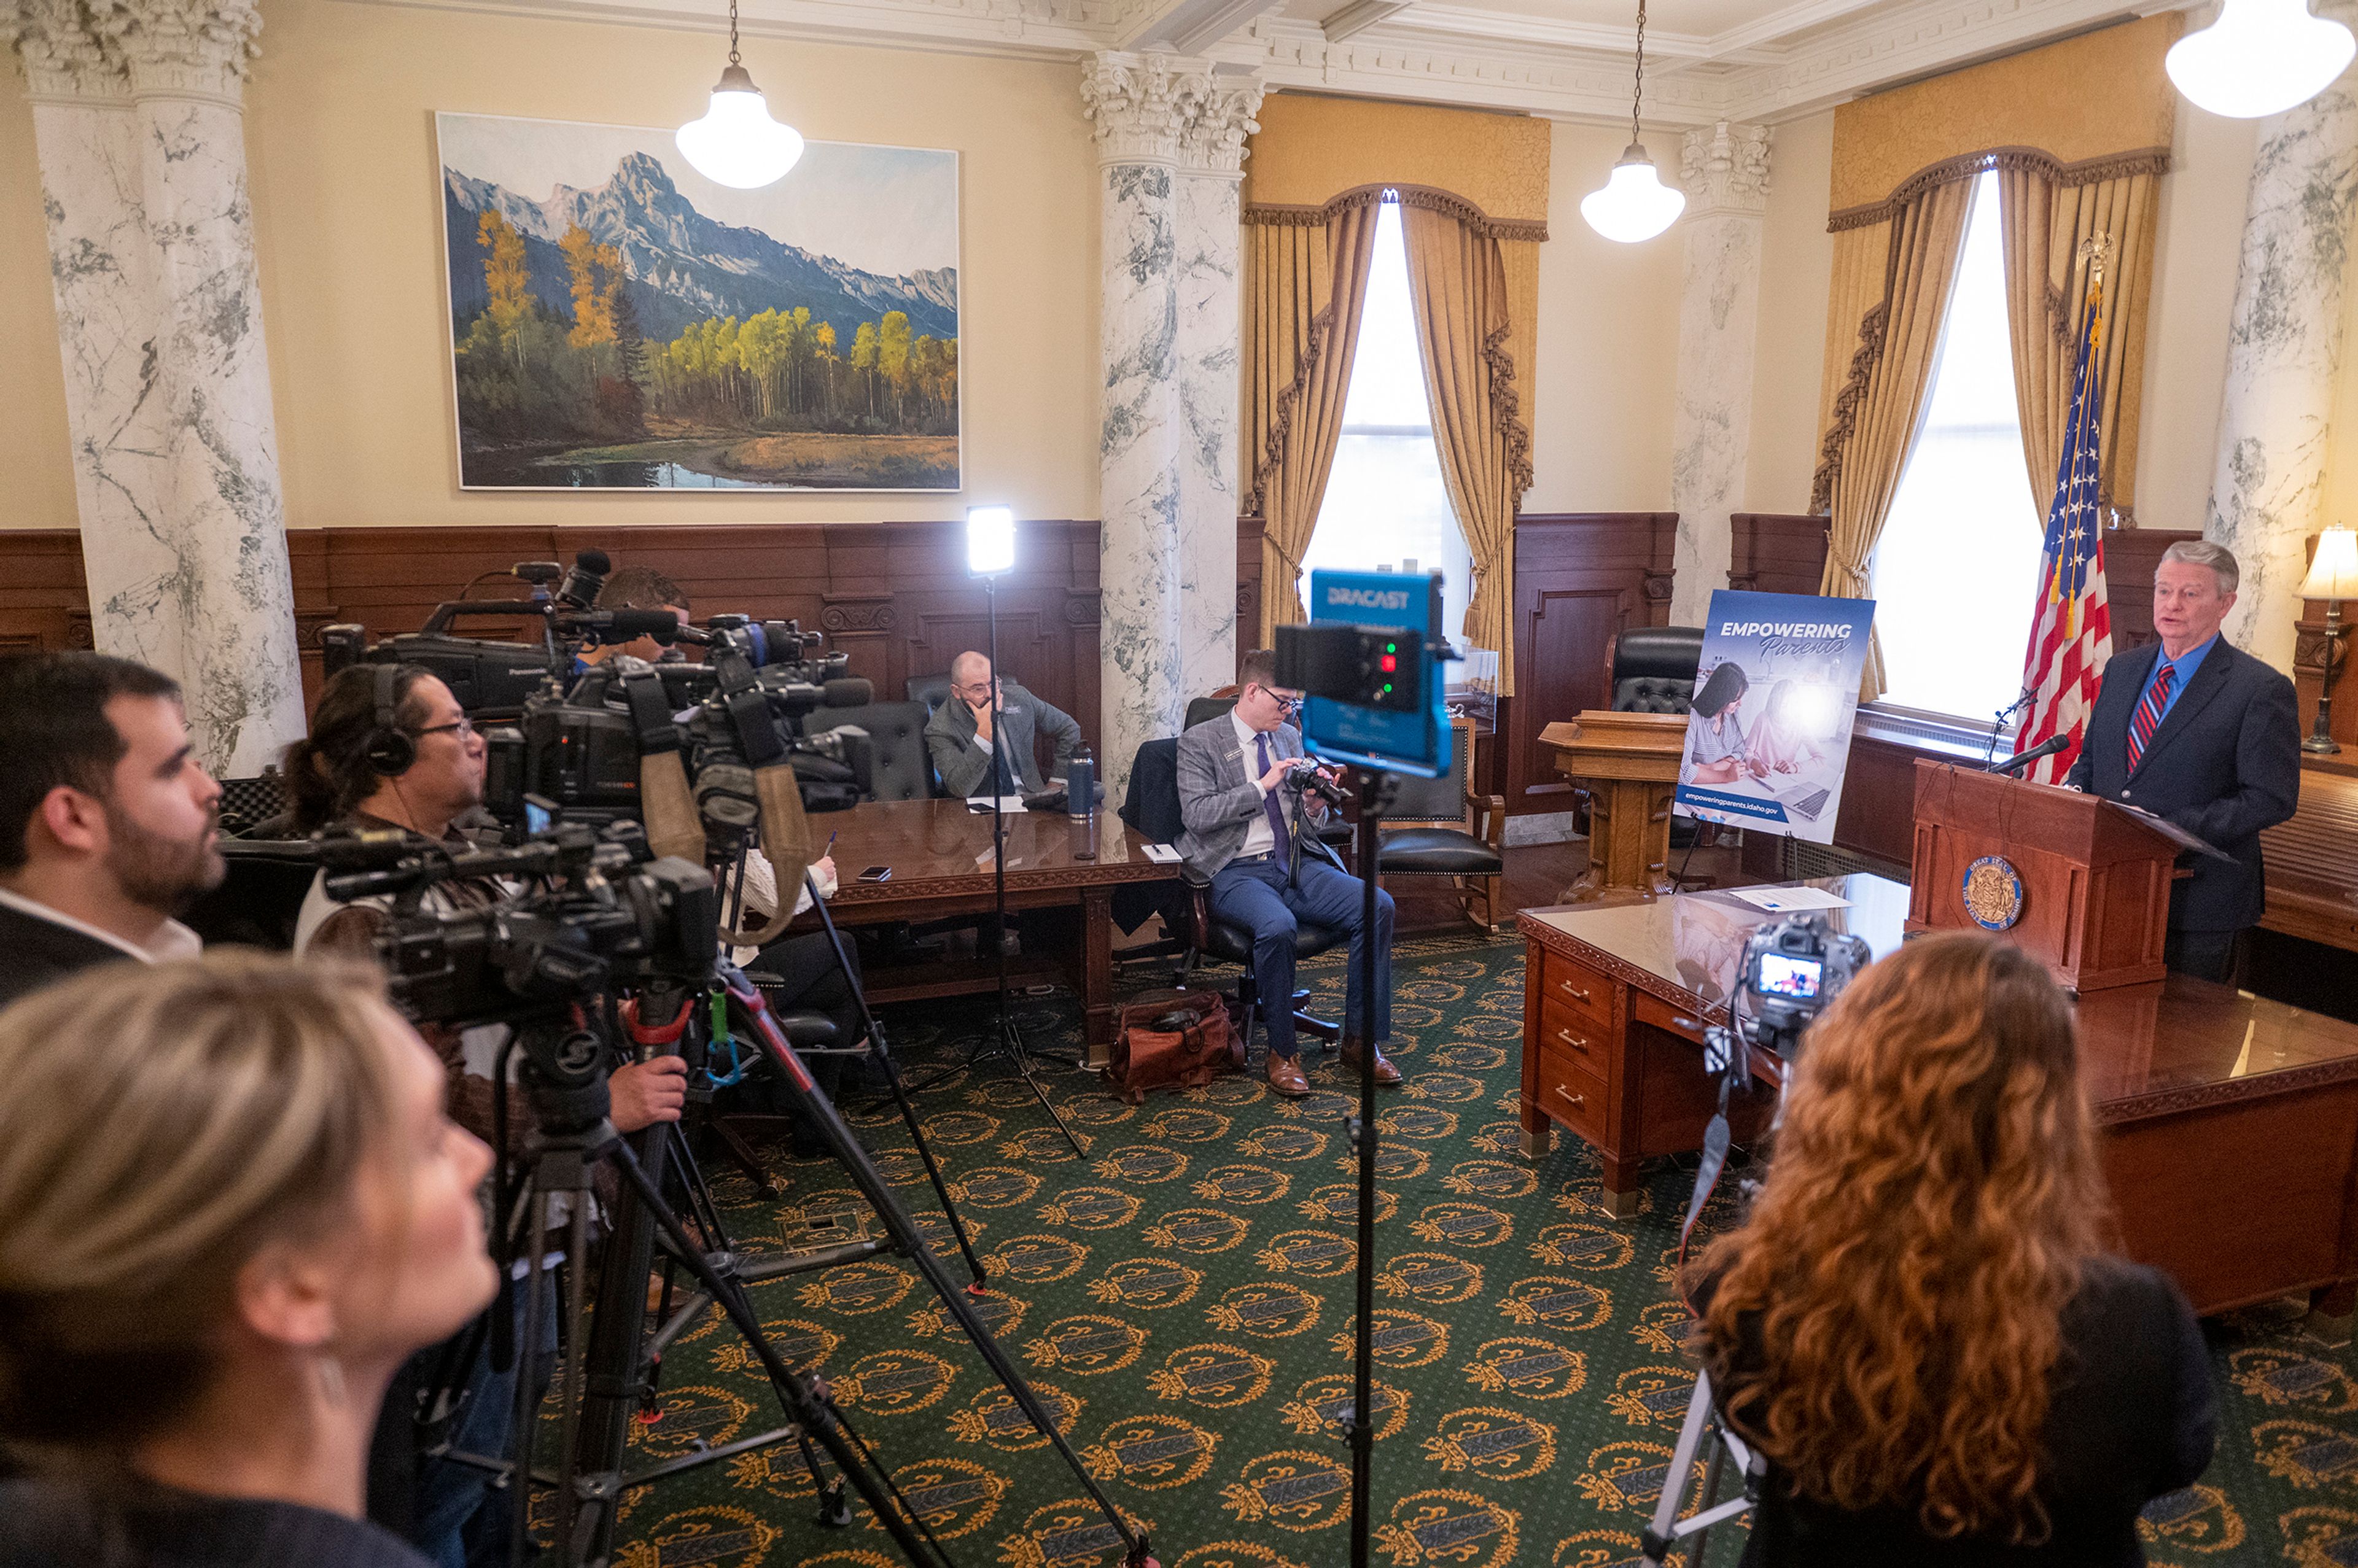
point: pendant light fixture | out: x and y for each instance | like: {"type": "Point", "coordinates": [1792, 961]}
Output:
{"type": "Point", "coordinates": [2261, 57]}
{"type": "Point", "coordinates": [1635, 204]}
{"type": "Point", "coordinates": [737, 144]}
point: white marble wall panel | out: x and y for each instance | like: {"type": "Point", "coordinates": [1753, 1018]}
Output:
{"type": "Point", "coordinates": [1205, 282]}
{"type": "Point", "coordinates": [142, 151]}
{"type": "Point", "coordinates": [1140, 573]}
{"type": "Point", "coordinates": [1725, 175]}
{"type": "Point", "coordinates": [2284, 347]}
{"type": "Point", "coordinates": [1170, 135]}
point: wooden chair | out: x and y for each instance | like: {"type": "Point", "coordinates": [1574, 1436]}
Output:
{"type": "Point", "coordinates": [1439, 827]}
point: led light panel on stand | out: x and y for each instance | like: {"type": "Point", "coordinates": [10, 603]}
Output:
{"type": "Point", "coordinates": [1397, 719]}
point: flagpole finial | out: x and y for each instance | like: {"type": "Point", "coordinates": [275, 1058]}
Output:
{"type": "Point", "coordinates": [2094, 251]}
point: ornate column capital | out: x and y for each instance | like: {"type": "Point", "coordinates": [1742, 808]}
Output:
{"type": "Point", "coordinates": [1724, 170]}
{"type": "Point", "coordinates": [1169, 109]}
{"type": "Point", "coordinates": [182, 48]}
{"type": "Point", "coordinates": [62, 55]}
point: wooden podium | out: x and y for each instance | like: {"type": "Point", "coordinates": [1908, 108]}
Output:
{"type": "Point", "coordinates": [1629, 765]}
{"type": "Point", "coordinates": [2093, 881]}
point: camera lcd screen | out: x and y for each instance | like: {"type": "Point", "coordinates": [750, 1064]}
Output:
{"type": "Point", "coordinates": [1788, 977]}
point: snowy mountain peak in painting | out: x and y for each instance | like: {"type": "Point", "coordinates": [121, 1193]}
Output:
{"type": "Point", "coordinates": [682, 266]}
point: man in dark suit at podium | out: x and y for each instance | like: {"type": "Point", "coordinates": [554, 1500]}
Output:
{"type": "Point", "coordinates": [2206, 737]}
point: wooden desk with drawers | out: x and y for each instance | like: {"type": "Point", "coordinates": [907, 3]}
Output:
{"type": "Point", "coordinates": [2230, 1122]}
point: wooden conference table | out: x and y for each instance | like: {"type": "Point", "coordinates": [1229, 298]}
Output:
{"type": "Point", "coordinates": [940, 857]}
{"type": "Point", "coordinates": [2230, 1123]}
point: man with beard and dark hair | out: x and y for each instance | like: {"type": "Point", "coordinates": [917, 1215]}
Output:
{"type": "Point", "coordinates": [108, 823]}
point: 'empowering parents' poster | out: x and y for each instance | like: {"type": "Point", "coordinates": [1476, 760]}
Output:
{"type": "Point", "coordinates": [1775, 697]}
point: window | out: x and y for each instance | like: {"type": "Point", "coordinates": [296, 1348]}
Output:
{"type": "Point", "coordinates": [1386, 505]}
{"type": "Point", "coordinates": [1956, 569]}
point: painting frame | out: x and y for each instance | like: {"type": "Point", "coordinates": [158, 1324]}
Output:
{"type": "Point", "coordinates": [922, 455]}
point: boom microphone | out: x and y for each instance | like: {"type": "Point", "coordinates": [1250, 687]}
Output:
{"type": "Point", "coordinates": [848, 691]}
{"type": "Point", "coordinates": [581, 585]}
{"type": "Point", "coordinates": [613, 627]}
{"type": "Point", "coordinates": [2046, 748]}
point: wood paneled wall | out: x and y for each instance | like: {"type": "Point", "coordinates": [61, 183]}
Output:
{"type": "Point", "coordinates": [1580, 577]}
{"type": "Point", "coordinates": [894, 597]}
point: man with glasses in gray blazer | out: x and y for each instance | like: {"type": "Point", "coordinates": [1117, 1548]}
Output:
{"type": "Point", "coordinates": [1247, 835]}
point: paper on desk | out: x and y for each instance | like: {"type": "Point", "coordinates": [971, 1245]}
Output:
{"type": "Point", "coordinates": [1009, 805]}
{"type": "Point", "coordinates": [1163, 854]}
{"type": "Point", "coordinates": [1778, 901]}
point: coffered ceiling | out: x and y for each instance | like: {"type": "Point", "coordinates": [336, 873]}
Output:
{"type": "Point", "coordinates": [1761, 61]}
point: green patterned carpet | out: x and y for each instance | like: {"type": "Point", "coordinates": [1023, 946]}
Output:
{"type": "Point", "coordinates": [1182, 1295]}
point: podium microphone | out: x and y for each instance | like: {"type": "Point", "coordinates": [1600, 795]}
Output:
{"type": "Point", "coordinates": [2046, 748]}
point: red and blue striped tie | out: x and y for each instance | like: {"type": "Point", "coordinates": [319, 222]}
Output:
{"type": "Point", "coordinates": [2149, 713]}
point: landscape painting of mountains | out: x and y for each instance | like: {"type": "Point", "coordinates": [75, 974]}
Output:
{"type": "Point", "coordinates": [620, 322]}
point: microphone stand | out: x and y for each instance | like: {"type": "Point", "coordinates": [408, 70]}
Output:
{"type": "Point", "coordinates": [1998, 724]}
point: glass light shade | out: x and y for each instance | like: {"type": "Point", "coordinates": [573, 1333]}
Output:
{"type": "Point", "coordinates": [2333, 570]}
{"type": "Point", "coordinates": [990, 540]}
{"type": "Point", "coordinates": [1635, 204]}
{"type": "Point", "coordinates": [737, 144]}
{"type": "Point", "coordinates": [2261, 57]}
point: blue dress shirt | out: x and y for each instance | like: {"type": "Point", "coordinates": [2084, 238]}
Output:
{"type": "Point", "coordinates": [2186, 663]}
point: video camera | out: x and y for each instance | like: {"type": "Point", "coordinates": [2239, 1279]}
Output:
{"type": "Point", "coordinates": [1791, 971]}
{"type": "Point", "coordinates": [595, 910]}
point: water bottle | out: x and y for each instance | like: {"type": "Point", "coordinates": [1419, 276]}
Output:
{"type": "Point", "coordinates": [1081, 782]}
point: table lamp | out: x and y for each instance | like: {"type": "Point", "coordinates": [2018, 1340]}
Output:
{"type": "Point", "coordinates": [2332, 576]}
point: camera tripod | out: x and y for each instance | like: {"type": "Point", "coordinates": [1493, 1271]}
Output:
{"type": "Point", "coordinates": [604, 1375]}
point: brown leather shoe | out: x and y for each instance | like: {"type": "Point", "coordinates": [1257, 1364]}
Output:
{"type": "Point", "coordinates": [1386, 1074]}
{"type": "Point", "coordinates": [1286, 1076]}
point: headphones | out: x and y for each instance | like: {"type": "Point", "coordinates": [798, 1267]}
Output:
{"type": "Point", "coordinates": [390, 749]}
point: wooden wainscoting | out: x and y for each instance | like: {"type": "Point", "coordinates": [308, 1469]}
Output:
{"type": "Point", "coordinates": [1580, 577]}
{"type": "Point", "coordinates": [894, 597]}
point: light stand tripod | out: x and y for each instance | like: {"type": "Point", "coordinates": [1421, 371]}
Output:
{"type": "Point", "coordinates": [1376, 790]}
{"type": "Point", "coordinates": [1010, 1042]}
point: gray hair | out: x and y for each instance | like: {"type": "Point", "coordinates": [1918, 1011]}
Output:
{"type": "Point", "coordinates": [2203, 553]}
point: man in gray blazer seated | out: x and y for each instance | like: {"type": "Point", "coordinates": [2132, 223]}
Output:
{"type": "Point", "coordinates": [1246, 834]}
{"type": "Point", "coordinates": [987, 722]}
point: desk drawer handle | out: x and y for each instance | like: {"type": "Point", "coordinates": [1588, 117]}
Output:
{"type": "Point", "coordinates": [1574, 992]}
{"type": "Point", "coordinates": [1678, 1022]}
{"type": "Point", "coordinates": [1578, 1101]}
{"type": "Point", "coordinates": [1577, 1042]}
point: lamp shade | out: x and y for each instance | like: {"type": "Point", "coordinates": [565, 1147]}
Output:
{"type": "Point", "coordinates": [990, 540]}
{"type": "Point", "coordinates": [2333, 570]}
{"type": "Point", "coordinates": [737, 144]}
{"type": "Point", "coordinates": [1635, 204]}
{"type": "Point", "coordinates": [2261, 57]}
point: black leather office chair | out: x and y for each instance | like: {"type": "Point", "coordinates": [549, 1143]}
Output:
{"type": "Point", "coordinates": [1152, 809]}
{"type": "Point", "coordinates": [1653, 668]}
{"type": "Point", "coordinates": [931, 690]}
{"type": "Point", "coordinates": [1204, 709]}
{"type": "Point", "coordinates": [896, 736]}
{"type": "Point", "coordinates": [1437, 833]}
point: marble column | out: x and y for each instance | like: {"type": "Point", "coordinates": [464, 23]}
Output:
{"type": "Point", "coordinates": [2284, 345]}
{"type": "Point", "coordinates": [1166, 444]}
{"type": "Point", "coordinates": [140, 135]}
{"type": "Point", "coordinates": [1725, 171]}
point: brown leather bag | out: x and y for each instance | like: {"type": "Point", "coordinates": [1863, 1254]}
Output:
{"type": "Point", "coordinates": [1172, 1040]}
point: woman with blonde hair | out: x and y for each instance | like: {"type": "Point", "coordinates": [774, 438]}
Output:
{"type": "Point", "coordinates": [231, 1205]}
{"type": "Point", "coordinates": [1917, 1325]}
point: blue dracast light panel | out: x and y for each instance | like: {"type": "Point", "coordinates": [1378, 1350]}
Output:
{"type": "Point", "coordinates": [1416, 743]}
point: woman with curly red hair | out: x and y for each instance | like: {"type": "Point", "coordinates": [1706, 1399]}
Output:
{"type": "Point", "coordinates": [1917, 1325]}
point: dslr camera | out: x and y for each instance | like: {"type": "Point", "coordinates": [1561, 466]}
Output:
{"type": "Point", "coordinates": [1791, 971]}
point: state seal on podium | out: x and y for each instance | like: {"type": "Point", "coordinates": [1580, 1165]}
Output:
{"type": "Point", "coordinates": [1992, 892]}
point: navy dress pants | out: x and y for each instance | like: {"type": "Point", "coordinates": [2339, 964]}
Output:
{"type": "Point", "coordinates": [1260, 896]}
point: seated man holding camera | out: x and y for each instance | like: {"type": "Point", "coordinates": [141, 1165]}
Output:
{"type": "Point", "coordinates": [988, 722]}
{"type": "Point", "coordinates": [1269, 873]}
{"type": "Point", "coordinates": [108, 824]}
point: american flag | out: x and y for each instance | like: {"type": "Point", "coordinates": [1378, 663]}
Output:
{"type": "Point", "coordinates": [2071, 632]}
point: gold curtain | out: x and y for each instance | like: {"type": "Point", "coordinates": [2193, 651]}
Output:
{"type": "Point", "coordinates": [1880, 401]}
{"type": "Point", "coordinates": [1304, 282]}
{"type": "Point", "coordinates": [2048, 212]}
{"type": "Point", "coordinates": [1459, 293]}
